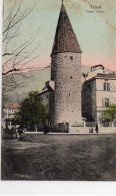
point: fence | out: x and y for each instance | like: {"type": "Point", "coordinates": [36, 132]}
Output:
{"type": "Point", "coordinates": [101, 124]}
{"type": "Point", "coordinates": [90, 124]}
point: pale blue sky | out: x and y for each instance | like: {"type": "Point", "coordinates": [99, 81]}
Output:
{"type": "Point", "coordinates": [96, 32]}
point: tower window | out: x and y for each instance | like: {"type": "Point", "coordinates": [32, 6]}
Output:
{"type": "Point", "coordinates": [69, 94]}
{"type": "Point", "coordinates": [70, 77]}
{"type": "Point", "coordinates": [71, 57]}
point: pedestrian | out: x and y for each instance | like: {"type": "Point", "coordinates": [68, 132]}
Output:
{"type": "Point", "coordinates": [96, 128]}
{"type": "Point", "coordinates": [46, 129]}
{"type": "Point", "coordinates": [20, 131]}
{"type": "Point", "coordinates": [6, 130]}
{"type": "Point", "coordinates": [10, 130]}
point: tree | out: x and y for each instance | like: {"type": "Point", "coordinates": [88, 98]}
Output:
{"type": "Point", "coordinates": [110, 113]}
{"type": "Point", "coordinates": [16, 54]}
{"type": "Point", "coordinates": [18, 47]}
{"type": "Point", "coordinates": [32, 111]}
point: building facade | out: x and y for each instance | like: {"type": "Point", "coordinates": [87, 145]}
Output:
{"type": "Point", "coordinates": [98, 93]}
{"type": "Point", "coordinates": [44, 97]}
{"type": "Point", "coordinates": [9, 111]}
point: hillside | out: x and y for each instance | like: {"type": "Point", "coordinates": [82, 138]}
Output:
{"type": "Point", "coordinates": [22, 84]}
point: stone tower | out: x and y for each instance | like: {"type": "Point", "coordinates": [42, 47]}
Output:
{"type": "Point", "coordinates": [65, 84]}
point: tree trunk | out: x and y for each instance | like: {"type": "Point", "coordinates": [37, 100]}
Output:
{"type": "Point", "coordinates": [35, 127]}
{"type": "Point", "coordinates": [112, 124]}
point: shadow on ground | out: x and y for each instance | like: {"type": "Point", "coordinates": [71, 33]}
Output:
{"type": "Point", "coordinates": [59, 157]}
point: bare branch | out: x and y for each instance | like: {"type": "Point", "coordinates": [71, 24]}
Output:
{"type": "Point", "coordinates": [9, 71]}
{"type": "Point", "coordinates": [18, 51]}
{"type": "Point", "coordinates": [7, 54]}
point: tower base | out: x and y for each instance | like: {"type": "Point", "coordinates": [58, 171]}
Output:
{"type": "Point", "coordinates": [66, 127]}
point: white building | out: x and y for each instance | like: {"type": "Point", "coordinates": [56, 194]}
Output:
{"type": "Point", "coordinates": [9, 111]}
{"type": "Point", "coordinates": [98, 92]}
{"type": "Point", "coordinates": [44, 97]}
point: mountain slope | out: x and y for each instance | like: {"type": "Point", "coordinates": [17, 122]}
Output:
{"type": "Point", "coordinates": [21, 85]}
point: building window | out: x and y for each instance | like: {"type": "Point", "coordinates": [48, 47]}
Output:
{"type": "Point", "coordinates": [46, 96]}
{"type": "Point", "coordinates": [70, 77]}
{"type": "Point", "coordinates": [106, 86]}
{"type": "Point", "coordinates": [71, 57]}
{"type": "Point", "coordinates": [105, 102]}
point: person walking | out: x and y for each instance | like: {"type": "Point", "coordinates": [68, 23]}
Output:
{"type": "Point", "coordinates": [96, 128]}
{"type": "Point", "coordinates": [20, 131]}
{"type": "Point", "coordinates": [46, 129]}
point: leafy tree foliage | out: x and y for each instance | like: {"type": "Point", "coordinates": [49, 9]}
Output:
{"type": "Point", "coordinates": [110, 113]}
{"type": "Point", "coordinates": [32, 111]}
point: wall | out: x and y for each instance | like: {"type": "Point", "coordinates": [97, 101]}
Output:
{"type": "Point", "coordinates": [93, 94]}
{"type": "Point", "coordinates": [9, 113]}
{"type": "Point", "coordinates": [100, 94]}
{"type": "Point", "coordinates": [85, 130]}
{"type": "Point", "coordinates": [65, 100]}
{"type": "Point", "coordinates": [44, 98]}
{"type": "Point", "coordinates": [89, 100]}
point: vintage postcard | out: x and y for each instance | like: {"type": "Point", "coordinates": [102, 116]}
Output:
{"type": "Point", "coordinates": [58, 90]}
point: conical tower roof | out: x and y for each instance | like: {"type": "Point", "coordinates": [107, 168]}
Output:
{"type": "Point", "coordinates": [65, 39]}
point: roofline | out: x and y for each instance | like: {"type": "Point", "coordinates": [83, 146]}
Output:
{"type": "Point", "coordinates": [98, 77]}
{"type": "Point", "coordinates": [43, 92]}
{"type": "Point", "coordinates": [64, 19]}
{"type": "Point", "coordinates": [11, 107]}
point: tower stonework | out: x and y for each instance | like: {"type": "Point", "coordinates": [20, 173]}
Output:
{"type": "Point", "coordinates": [65, 97]}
